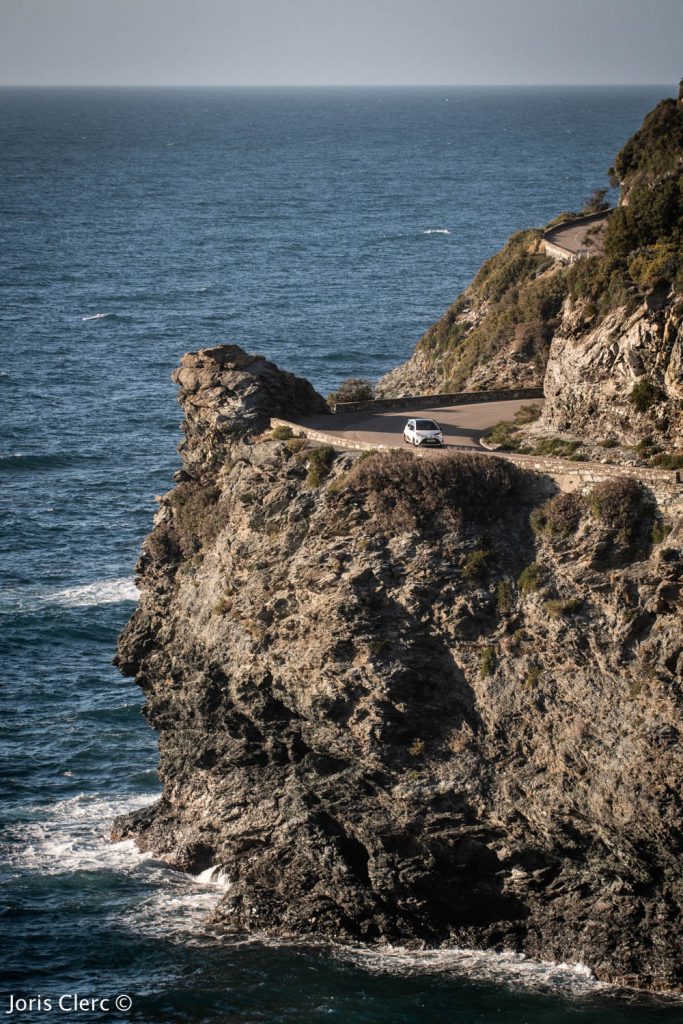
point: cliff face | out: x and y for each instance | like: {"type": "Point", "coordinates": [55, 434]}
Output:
{"type": "Point", "coordinates": [619, 376]}
{"type": "Point", "coordinates": [603, 335]}
{"type": "Point", "coordinates": [411, 700]}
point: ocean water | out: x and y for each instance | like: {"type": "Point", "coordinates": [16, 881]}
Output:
{"type": "Point", "coordinates": [325, 229]}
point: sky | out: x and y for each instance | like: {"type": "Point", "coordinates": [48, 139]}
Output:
{"type": "Point", "coordinates": [340, 42]}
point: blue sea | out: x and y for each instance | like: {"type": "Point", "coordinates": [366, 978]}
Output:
{"type": "Point", "coordinates": [325, 229]}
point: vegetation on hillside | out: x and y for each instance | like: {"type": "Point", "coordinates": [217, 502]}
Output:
{"type": "Point", "coordinates": [516, 297]}
{"type": "Point", "coordinates": [514, 302]}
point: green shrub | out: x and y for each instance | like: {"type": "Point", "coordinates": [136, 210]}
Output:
{"type": "Point", "coordinates": [475, 565]}
{"type": "Point", "coordinates": [337, 485]}
{"type": "Point", "coordinates": [281, 433]}
{"type": "Point", "coordinates": [557, 607]}
{"type": "Point", "coordinates": [556, 446]}
{"type": "Point", "coordinates": [655, 266]}
{"type": "Point", "coordinates": [644, 394]}
{"type": "Point", "coordinates": [296, 444]}
{"type": "Point", "coordinates": [531, 578]}
{"type": "Point", "coordinates": [401, 492]}
{"type": "Point", "coordinates": [504, 596]}
{"type": "Point", "coordinates": [527, 414]}
{"type": "Point", "coordinates": [353, 389]}
{"type": "Point", "coordinates": [609, 442]}
{"type": "Point", "coordinates": [561, 514]}
{"type": "Point", "coordinates": [617, 501]}
{"type": "Point", "coordinates": [222, 606]}
{"type": "Point", "coordinates": [668, 460]}
{"type": "Point", "coordinates": [660, 531]}
{"type": "Point", "coordinates": [197, 517]}
{"type": "Point", "coordinates": [487, 662]}
{"type": "Point", "coordinates": [597, 202]}
{"type": "Point", "coordinates": [623, 506]}
{"type": "Point", "coordinates": [319, 464]}
{"type": "Point", "coordinates": [503, 433]}
{"type": "Point", "coordinates": [533, 675]}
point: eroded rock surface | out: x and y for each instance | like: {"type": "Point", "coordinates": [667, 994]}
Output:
{"type": "Point", "coordinates": [392, 710]}
{"type": "Point", "coordinates": [595, 364]}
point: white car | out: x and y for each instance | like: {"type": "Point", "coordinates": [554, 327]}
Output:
{"type": "Point", "coordinates": [423, 432]}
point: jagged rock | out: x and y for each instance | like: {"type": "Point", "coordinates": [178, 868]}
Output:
{"type": "Point", "coordinates": [378, 733]}
{"type": "Point", "coordinates": [591, 374]}
{"type": "Point", "coordinates": [228, 394]}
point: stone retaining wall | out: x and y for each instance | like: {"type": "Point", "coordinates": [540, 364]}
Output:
{"type": "Point", "coordinates": [666, 485]}
{"type": "Point", "coordinates": [557, 251]}
{"type": "Point", "coordinates": [436, 401]}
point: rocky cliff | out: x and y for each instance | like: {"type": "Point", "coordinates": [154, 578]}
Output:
{"type": "Point", "coordinates": [423, 701]}
{"type": "Point", "coordinates": [603, 335]}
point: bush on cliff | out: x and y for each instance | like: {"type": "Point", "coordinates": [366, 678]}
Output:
{"type": "Point", "coordinates": [623, 506]}
{"type": "Point", "coordinates": [668, 460]}
{"type": "Point", "coordinates": [402, 492]}
{"type": "Point", "coordinates": [197, 517]}
{"type": "Point", "coordinates": [561, 514]}
{"type": "Point", "coordinates": [319, 464]}
{"type": "Point", "coordinates": [644, 394]}
{"type": "Point", "coordinates": [353, 389]}
{"type": "Point", "coordinates": [531, 579]}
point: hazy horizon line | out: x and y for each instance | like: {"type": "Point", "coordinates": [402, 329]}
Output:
{"type": "Point", "coordinates": [336, 85]}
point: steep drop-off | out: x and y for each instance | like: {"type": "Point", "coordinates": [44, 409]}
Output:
{"type": "Point", "coordinates": [411, 700]}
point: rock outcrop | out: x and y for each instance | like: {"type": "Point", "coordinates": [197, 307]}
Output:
{"type": "Point", "coordinates": [597, 365]}
{"type": "Point", "coordinates": [411, 700]}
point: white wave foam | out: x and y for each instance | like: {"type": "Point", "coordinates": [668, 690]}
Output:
{"type": "Point", "coordinates": [96, 316]}
{"type": "Point", "coordinates": [176, 910]}
{"type": "Point", "coordinates": [505, 968]}
{"type": "Point", "coordinates": [3, 373]}
{"type": "Point", "coordinates": [214, 876]}
{"type": "Point", "coordinates": [73, 835]}
{"type": "Point", "coordinates": [101, 592]}
{"type": "Point", "coordinates": [436, 231]}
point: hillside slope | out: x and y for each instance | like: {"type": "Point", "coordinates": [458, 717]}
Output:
{"type": "Point", "coordinates": [593, 331]}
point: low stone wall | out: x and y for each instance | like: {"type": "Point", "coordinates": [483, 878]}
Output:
{"type": "Point", "coordinates": [666, 485]}
{"type": "Point", "coordinates": [436, 401]}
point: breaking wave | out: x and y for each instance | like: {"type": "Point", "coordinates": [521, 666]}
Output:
{"type": "Point", "coordinates": [505, 968]}
{"type": "Point", "coordinates": [101, 592]}
{"type": "Point", "coordinates": [73, 835]}
{"type": "Point", "coordinates": [85, 595]}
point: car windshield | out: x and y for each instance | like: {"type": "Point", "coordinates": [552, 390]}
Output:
{"type": "Point", "coordinates": [426, 425]}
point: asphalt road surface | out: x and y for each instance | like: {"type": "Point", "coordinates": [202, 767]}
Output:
{"type": "Point", "coordinates": [573, 236]}
{"type": "Point", "coordinates": [462, 425]}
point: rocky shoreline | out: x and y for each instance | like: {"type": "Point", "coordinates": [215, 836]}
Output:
{"type": "Point", "coordinates": [424, 702]}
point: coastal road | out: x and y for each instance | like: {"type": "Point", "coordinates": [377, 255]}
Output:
{"type": "Point", "coordinates": [572, 235]}
{"type": "Point", "coordinates": [462, 425]}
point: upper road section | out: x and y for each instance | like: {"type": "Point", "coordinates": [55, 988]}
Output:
{"type": "Point", "coordinates": [581, 236]}
{"type": "Point", "coordinates": [462, 425]}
